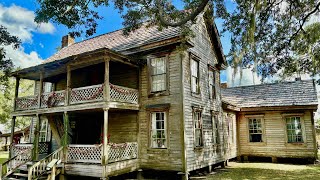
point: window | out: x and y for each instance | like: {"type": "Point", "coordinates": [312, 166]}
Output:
{"type": "Point", "coordinates": [212, 88]}
{"type": "Point", "coordinates": [197, 119]}
{"type": "Point", "coordinates": [215, 132]}
{"type": "Point", "coordinates": [47, 87]}
{"type": "Point", "coordinates": [158, 74]}
{"type": "Point", "coordinates": [294, 130]}
{"type": "Point", "coordinates": [195, 76]}
{"type": "Point", "coordinates": [43, 130]}
{"type": "Point", "coordinates": [158, 130]}
{"type": "Point", "coordinates": [255, 130]}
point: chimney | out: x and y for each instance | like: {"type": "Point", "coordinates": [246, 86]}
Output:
{"type": "Point", "coordinates": [67, 40]}
{"type": "Point", "coordinates": [224, 85]}
{"type": "Point", "coordinates": [298, 78]}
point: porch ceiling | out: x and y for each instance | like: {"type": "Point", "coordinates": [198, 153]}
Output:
{"type": "Point", "coordinates": [60, 66]}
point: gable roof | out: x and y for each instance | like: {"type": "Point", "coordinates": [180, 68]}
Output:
{"type": "Point", "coordinates": [117, 42]}
{"type": "Point", "coordinates": [297, 93]}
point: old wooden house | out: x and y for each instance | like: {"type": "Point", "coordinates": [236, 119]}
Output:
{"type": "Point", "coordinates": [274, 121]}
{"type": "Point", "coordinates": [117, 104]}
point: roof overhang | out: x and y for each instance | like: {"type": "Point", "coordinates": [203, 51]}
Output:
{"type": "Point", "coordinates": [313, 107]}
{"type": "Point", "coordinates": [60, 66]}
{"type": "Point", "coordinates": [228, 106]}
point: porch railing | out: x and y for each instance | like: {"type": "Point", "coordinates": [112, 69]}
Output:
{"type": "Point", "coordinates": [21, 148]}
{"type": "Point", "coordinates": [80, 95]}
{"type": "Point", "coordinates": [93, 153]}
{"type": "Point", "coordinates": [84, 153]}
{"type": "Point", "coordinates": [53, 99]}
{"type": "Point", "coordinates": [27, 102]}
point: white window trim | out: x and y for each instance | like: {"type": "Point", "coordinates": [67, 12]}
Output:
{"type": "Point", "coordinates": [152, 116]}
{"type": "Point", "coordinates": [263, 138]}
{"type": "Point", "coordinates": [197, 110]}
{"type": "Point", "coordinates": [301, 115]}
{"type": "Point", "coordinates": [198, 89]}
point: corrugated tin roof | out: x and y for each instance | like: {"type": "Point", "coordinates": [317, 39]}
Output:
{"type": "Point", "coordinates": [268, 95]}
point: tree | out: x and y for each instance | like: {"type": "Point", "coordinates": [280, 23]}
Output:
{"type": "Point", "coordinates": [6, 65]}
{"type": "Point", "coordinates": [263, 32]}
{"type": "Point", "coordinates": [6, 102]}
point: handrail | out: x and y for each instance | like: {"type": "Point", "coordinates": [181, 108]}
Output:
{"type": "Point", "coordinates": [39, 168]}
{"type": "Point", "coordinates": [86, 87]}
{"type": "Point", "coordinates": [14, 163]}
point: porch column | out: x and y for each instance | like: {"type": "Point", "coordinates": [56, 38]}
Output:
{"type": "Point", "coordinates": [35, 150]}
{"type": "Point", "coordinates": [16, 93]}
{"type": "Point", "coordinates": [68, 89]}
{"type": "Point", "coordinates": [40, 89]}
{"type": "Point", "coordinates": [13, 124]}
{"type": "Point", "coordinates": [65, 135]}
{"type": "Point", "coordinates": [106, 80]}
{"type": "Point", "coordinates": [105, 148]}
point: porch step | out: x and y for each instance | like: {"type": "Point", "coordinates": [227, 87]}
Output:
{"type": "Point", "coordinates": [20, 174]}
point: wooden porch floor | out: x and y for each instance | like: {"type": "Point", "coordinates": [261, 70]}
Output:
{"type": "Point", "coordinates": [96, 170]}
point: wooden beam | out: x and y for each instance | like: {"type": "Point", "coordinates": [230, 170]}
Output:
{"type": "Point", "coordinates": [16, 93]}
{"type": "Point", "coordinates": [68, 89]}
{"type": "Point", "coordinates": [106, 80]}
{"type": "Point", "coordinates": [54, 130]}
{"type": "Point", "coordinates": [35, 150]}
{"type": "Point", "coordinates": [13, 124]}
{"type": "Point", "coordinates": [105, 150]}
{"type": "Point", "coordinates": [65, 135]}
{"type": "Point", "coordinates": [40, 89]}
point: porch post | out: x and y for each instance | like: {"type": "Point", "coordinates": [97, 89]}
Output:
{"type": "Point", "coordinates": [67, 102]}
{"type": "Point", "coordinates": [105, 149]}
{"type": "Point", "coordinates": [35, 150]}
{"type": "Point", "coordinates": [106, 80]}
{"type": "Point", "coordinates": [65, 135]}
{"type": "Point", "coordinates": [16, 93]}
{"type": "Point", "coordinates": [13, 124]}
{"type": "Point", "coordinates": [40, 89]}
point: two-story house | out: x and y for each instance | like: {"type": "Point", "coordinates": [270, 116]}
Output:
{"type": "Point", "coordinates": [117, 104]}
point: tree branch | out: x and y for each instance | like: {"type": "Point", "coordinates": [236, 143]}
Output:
{"type": "Point", "coordinates": [192, 16]}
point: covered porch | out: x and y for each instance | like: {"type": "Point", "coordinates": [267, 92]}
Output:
{"type": "Point", "coordinates": [97, 143]}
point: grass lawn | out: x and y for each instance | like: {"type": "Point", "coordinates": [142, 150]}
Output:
{"type": "Point", "coordinates": [237, 171]}
{"type": "Point", "coordinates": [3, 156]}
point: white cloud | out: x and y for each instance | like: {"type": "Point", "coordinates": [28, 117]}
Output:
{"type": "Point", "coordinates": [20, 22]}
{"type": "Point", "coordinates": [22, 59]}
{"type": "Point", "coordinates": [248, 77]}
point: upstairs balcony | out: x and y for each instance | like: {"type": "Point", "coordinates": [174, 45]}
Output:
{"type": "Point", "coordinates": [81, 95]}
{"type": "Point", "coordinates": [99, 84]}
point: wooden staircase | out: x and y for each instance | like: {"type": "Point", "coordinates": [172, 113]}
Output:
{"type": "Point", "coordinates": [47, 168]}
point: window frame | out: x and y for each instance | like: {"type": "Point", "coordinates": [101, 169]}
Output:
{"type": "Point", "coordinates": [198, 89]}
{"type": "Point", "coordinates": [166, 116]}
{"type": "Point", "coordinates": [150, 75]}
{"type": "Point", "coordinates": [215, 128]}
{"type": "Point", "coordinates": [197, 110]}
{"type": "Point", "coordinates": [303, 135]}
{"type": "Point", "coordinates": [212, 85]}
{"type": "Point", "coordinates": [263, 134]}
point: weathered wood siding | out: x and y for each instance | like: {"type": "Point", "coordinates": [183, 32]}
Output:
{"type": "Point", "coordinates": [230, 133]}
{"type": "Point", "coordinates": [275, 143]}
{"type": "Point", "coordinates": [122, 126]}
{"type": "Point", "coordinates": [123, 75]}
{"type": "Point", "coordinates": [170, 158]}
{"type": "Point", "coordinates": [206, 155]}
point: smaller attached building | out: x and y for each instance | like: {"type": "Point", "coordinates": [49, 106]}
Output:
{"type": "Point", "coordinates": [274, 120]}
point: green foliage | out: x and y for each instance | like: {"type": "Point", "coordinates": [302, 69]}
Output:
{"type": "Point", "coordinates": [6, 64]}
{"type": "Point", "coordinates": [266, 35]}
{"type": "Point", "coordinates": [6, 102]}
